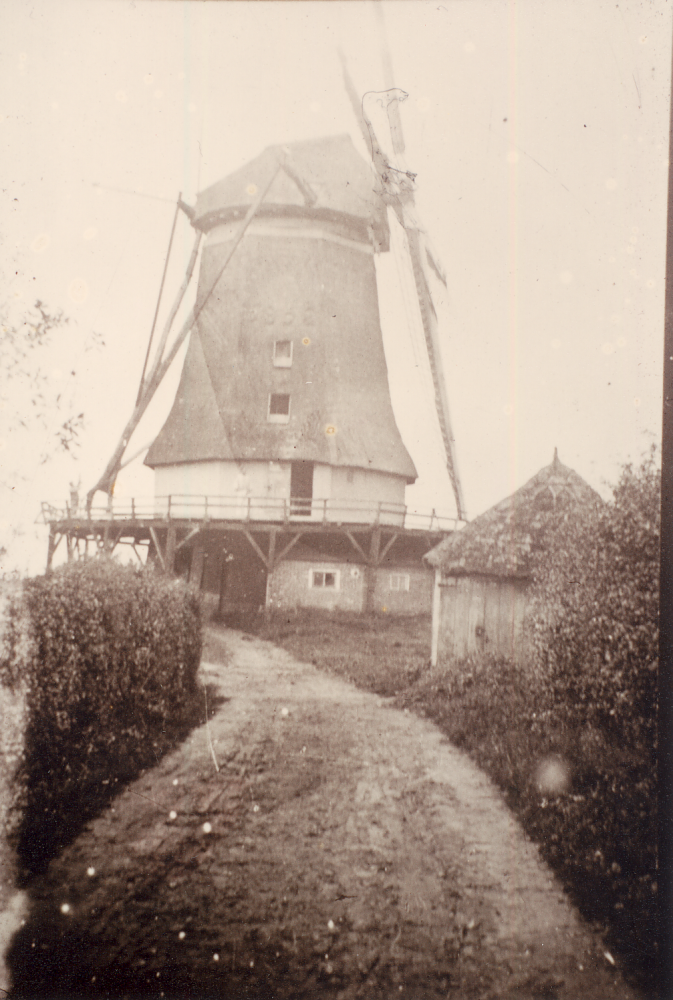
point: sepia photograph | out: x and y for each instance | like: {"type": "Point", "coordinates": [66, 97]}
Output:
{"type": "Point", "coordinates": [331, 377]}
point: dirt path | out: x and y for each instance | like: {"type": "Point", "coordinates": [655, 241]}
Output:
{"type": "Point", "coordinates": [348, 850]}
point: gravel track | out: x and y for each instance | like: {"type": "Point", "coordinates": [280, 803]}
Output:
{"type": "Point", "coordinates": [349, 850]}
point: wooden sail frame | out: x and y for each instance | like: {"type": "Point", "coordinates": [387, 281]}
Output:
{"type": "Point", "coordinates": [161, 363]}
{"type": "Point", "coordinates": [397, 190]}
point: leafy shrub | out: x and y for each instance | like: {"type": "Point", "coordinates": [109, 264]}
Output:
{"type": "Point", "coordinates": [597, 637]}
{"type": "Point", "coordinates": [596, 830]}
{"type": "Point", "coordinates": [597, 622]}
{"type": "Point", "coordinates": [587, 703]}
{"type": "Point", "coordinates": [108, 656]}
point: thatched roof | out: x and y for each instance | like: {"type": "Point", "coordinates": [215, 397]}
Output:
{"type": "Point", "coordinates": [501, 541]}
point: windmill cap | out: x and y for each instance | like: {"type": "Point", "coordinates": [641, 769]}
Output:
{"type": "Point", "coordinates": [320, 179]}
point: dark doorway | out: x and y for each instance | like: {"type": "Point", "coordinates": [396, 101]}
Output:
{"type": "Point", "coordinates": [301, 488]}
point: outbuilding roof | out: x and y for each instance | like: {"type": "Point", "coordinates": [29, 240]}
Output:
{"type": "Point", "coordinates": [501, 541]}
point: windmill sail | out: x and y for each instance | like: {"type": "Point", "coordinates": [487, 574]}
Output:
{"type": "Point", "coordinates": [161, 364]}
{"type": "Point", "coordinates": [397, 189]}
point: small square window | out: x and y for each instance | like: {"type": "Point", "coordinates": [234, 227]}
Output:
{"type": "Point", "coordinates": [399, 581]}
{"type": "Point", "coordinates": [279, 408]}
{"type": "Point", "coordinates": [282, 353]}
{"type": "Point", "coordinates": [324, 579]}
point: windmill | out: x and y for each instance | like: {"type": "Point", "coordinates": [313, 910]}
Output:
{"type": "Point", "coordinates": [280, 468]}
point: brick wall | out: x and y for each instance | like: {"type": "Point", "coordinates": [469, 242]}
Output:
{"type": "Point", "coordinates": [289, 587]}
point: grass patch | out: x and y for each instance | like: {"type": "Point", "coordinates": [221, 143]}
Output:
{"type": "Point", "coordinates": [377, 653]}
{"type": "Point", "coordinates": [585, 799]}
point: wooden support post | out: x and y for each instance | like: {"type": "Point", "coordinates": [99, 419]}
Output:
{"type": "Point", "coordinates": [187, 539]}
{"type": "Point", "coordinates": [436, 618]}
{"type": "Point", "coordinates": [370, 572]}
{"type": "Point", "coordinates": [196, 567]}
{"type": "Point", "coordinates": [293, 541]}
{"type": "Point", "coordinates": [222, 586]}
{"type": "Point", "coordinates": [256, 547]}
{"type": "Point", "coordinates": [170, 549]}
{"type": "Point", "coordinates": [51, 547]}
{"type": "Point", "coordinates": [113, 540]}
{"type": "Point", "coordinates": [356, 545]}
{"type": "Point", "coordinates": [270, 566]}
{"type": "Point", "coordinates": [155, 539]}
{"type": "Point", "coordinates": [388, 546]}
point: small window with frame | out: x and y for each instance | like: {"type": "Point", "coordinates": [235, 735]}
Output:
{"type": "Point", "coordinates": [279, 408]}
{"type": "Point", "coordinates": [399, 581]}
{"type": "Point", "coordinates": [324, 579]}
{"type": "Point", "coordinates": [282, 353]}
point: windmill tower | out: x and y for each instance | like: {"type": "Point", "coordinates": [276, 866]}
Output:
{"type": "Point", "coordinates": [284, 393]}
{"type": "Point", "coordinates": [280, 472]}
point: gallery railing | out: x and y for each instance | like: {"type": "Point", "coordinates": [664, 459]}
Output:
{"type": "Point", "coordinates": [247, 508]}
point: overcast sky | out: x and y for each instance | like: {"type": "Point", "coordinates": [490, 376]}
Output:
{"type": "Point", "coordinates": [539, 136]}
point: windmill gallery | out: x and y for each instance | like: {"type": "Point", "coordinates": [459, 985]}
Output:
{"type": "Point", "coordinates": [280, 472]}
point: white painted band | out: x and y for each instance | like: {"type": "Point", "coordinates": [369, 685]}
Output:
{"type": "Point", "coordinates": [226, 232]}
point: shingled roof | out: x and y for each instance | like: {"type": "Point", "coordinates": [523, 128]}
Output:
{"type": "Point", "coordinates": [501, 541]}
{"type": "Point", "coordinates": [323, 178]}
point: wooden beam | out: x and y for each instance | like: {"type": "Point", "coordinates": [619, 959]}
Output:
{"type": "Point", "coordinates": [52, 546]}
{"type": "Point", "coordinates": [113, 540]}
{"type": "Point", "coordinates": [356, 546]}
{"type": "Point", "coordinates": [284, 552]}
{"type": "Point", "coordinates": [196, 567]}
{"type": "Point", "coordinates": [370, 572]}
{"type": "Point", "coordinates": [374, 547]}
{"type": "Point", "coordinates": [272, 551]}
{"type": "Point", "coordinates": [256, 547]}
{"type": "Point", "coordinates": [155, 539]}
{"type": "Point", "coordinates": [387, 547]}
{"type": "Point", "coordinates": [161, 288]}
{"type": "Point", "coordinates": [170, 547]}
{"type": "Point", "coordinates": [161, 364]}
{"type": "Point", "coordinates": [192, 534]}
{"type": "Point", "coordinates": [270, 566]}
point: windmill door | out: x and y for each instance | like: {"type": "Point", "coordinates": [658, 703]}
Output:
{"type": "Point", "coordinates": [301, 488]}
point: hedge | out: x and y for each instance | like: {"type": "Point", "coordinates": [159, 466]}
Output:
{"type": "Point", "coordinates": [107, 656]}
{"type": "Point", "coordinates": [585, 707]}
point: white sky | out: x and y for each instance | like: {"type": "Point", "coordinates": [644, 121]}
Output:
{"type": "Point", "coordinates": [539, 134]}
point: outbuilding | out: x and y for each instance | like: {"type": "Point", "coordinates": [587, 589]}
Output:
{"type": "Point", "coordinates": [483, 573]}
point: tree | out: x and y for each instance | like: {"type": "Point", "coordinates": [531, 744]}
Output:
{"type": "Point", "coordinates": [38, 397]}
